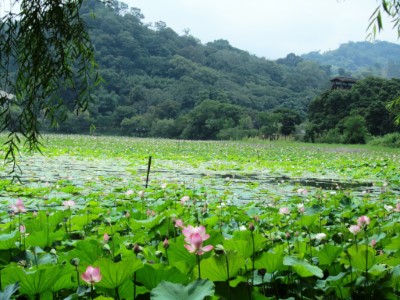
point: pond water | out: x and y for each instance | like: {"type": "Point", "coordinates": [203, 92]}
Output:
{"type": "Point", "coordinates": [237, 186]}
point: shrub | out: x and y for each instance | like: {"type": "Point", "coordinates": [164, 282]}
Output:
{"type": "Point", "coordinates": [388, 140]}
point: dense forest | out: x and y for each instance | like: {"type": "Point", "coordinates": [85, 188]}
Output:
{"type": "Point", "coordinates": [157, 83]}
{"type": "Point", "coordinates": [350, 116]}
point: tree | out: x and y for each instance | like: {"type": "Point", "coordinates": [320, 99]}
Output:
{"type": "Point", "coordinates": [392, 9]}
{"type": "Point", "coordinates": [44, 50]}
{"type": "Point", "coordinates": [354, 130]}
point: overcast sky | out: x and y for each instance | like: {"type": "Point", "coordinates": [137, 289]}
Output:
{"type": "Point", "coordinates": [268, 28]}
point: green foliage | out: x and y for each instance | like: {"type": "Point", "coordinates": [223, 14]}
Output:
{"type": "Point", "coordinates": [389, 140]}
{"type": "Point", "coordinates": [155, 83]}
{"type": "Point", "coordinates": [45, 49]}
{"type": "Point", "coordinates": [351, 116]}
{"type": "Point", "coordinates": [355, 130]}
{"type": "Point", "coordinates": [360, 59]}
{"type": "Point", "coordinates": [302, 268]}
{"type": "Point", "coordinates": [115, 274]}
{"type": "Point", "coordinates": [196, 290]}
{"type": "Point", "coordinates": [32, 283]}
{"type": "Point", "coordinates": [280, 258]}
{"type": "Point", "coordinates": [9, 291]}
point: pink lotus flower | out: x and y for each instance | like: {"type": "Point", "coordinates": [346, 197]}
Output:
{"type": "Point", "coordinates": [354, 229]}
{"type": "Point", "coordinates": [106, 238]}
{"type": "Point", "coordinates": [300, 208]}
{"type": "Point", "coordinates": [397, 209]}
{"type": "Point", "coordinates": [302, 191]}
{"type": "Point", "coordinates": [194, 237]}
{"type": "Point", "coordinates": [166, 243]}
{"type": "Point", "coordinates": [150, 213]}
{"type": "Point", "coordinates": [190, 231]}
{"type": "Point", "coordinates": [18, 207]}
{"type": "Point", "coordinates": [69, 204]}
{"type": "Point", "coordinates": [129, 193]}
{"type": "Point", "coordinates": [184, 199]}
{"type": "Point", "coordinates": [373, 243]}
{"type": "Point", "coordinates": [363, 221]}
{"type": "Point", "coordinates": [91, 275]}
{"type": "Point", "coordinates": [284, 211]}
{"type": "Point", "coordinates": [195, 244]}
{"type": "Point", "coordinates": [179, 223]}
{"type": "Point", "coordinates": [22, 229]}
{"type": "Point", "coordinates": [141, 194]}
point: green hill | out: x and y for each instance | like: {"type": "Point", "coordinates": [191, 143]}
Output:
{"type": "Point", "coordinates": [361, 59]}
{"type": "Point", "coordinates": [157, 83]}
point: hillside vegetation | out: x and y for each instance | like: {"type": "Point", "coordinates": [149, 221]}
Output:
{"type": "Point", "coordinates": [158, 83]}
{"type": "Point", "coordinates": [161, 84]}
{"type": "Point", "coordinates": [361, 59]}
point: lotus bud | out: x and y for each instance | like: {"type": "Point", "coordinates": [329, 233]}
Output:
{"type": "Point", "coordinates": [75, 261]}
{"type": "Point", "coordinates": [219, 249]}
{"type": "Point", "coordinates": [158, 254]}
{"type": "Point", "coordinates": [137, 249]}
{"type": "Point", "coordinates": [166, 244]}
{"type": "Point", "coordinates": [261, 272]}
{"type": "Point", "coordinates": [251, 226]}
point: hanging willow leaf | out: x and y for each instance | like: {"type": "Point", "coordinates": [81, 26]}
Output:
{"type": "Point", "coordinates": [45, 49]}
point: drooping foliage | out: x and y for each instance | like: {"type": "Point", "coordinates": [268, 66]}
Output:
{"type": "Point", "coordinates": [44, 48]}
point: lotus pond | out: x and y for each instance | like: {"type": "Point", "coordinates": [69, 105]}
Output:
{"type": "Point", "coordinates": [217, 220]}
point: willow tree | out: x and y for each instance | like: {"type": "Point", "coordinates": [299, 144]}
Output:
{"type": "Point", "coordinates": [45, 49]}
{"type": "Point", "coordinates": [390, 8]}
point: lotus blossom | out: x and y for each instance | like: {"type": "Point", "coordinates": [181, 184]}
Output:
{"type": "Point", "coordinates": [18, 207]}
{"type": "Point", "coordinates": [363, 221]}
{"type": "Point", "coordinates": [373, 243]}
{"type": "Point", "coordinates": [190, 231]}
{"type": "Point", "coordinates": [284, 211]}
{"type": "Point", "coordinates": [354, 229]}
{"type": "Point", "coordinates": [194, 237]}
{"type": "Point", "coordinates": [166, 243]}
{"type": "Point", "coordinates": [106, 237]}
{"type": "Point", "coordinates": [150, 213]}
{"type": "Point", "coordinates": [129, 193]}
{"type": "Point", "coordinates": [92, 275]}
{"type": "Point", "coordinates": [195, 244]}
{"type": "Point", "coordinates": [302, 191]}
{"type": "Point", "coordinates": [179, 223]}
{"type": "Point", "coordinates": [300, 208]}
{"type": "Point", "coordinates": [141, 194]}
{"type": "Point", "coordinates": [320, 236]}
{"type": "Point", "coordinates": [184, 199]}
{"type": "Point", "coordinates": [388, 208]}
{"type": "Point", "coordinates": [397, 209]}
{"type": "Point", "coordinates": [69, 204]}
{"type": "Point", "coordinates": [22, 229]}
